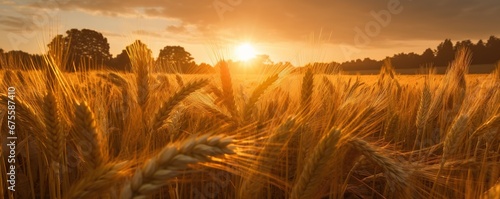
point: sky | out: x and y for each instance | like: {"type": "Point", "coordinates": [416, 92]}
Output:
{"type": "Point", "coordinates": [298, 31]}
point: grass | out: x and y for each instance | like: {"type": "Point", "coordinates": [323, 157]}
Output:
{"type": "Point", "coordinates": [279, 135]}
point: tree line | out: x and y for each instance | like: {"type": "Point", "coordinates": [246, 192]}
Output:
{"type": "Point", "coordinates": [482, 53]}
{"type": "Point", "coordinates": [87, 49]}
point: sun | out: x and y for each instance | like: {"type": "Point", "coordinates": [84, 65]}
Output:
{"type": "Point", "coordinates": [245, 52]}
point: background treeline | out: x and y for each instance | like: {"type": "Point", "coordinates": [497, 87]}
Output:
{"type": "Point", "coordinates": [88, 49]}
{"type": "Point", "coordinates": [484, 55]}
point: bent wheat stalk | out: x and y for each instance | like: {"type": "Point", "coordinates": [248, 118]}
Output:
{"type": "Point", "coordinates": [167, 106]}
{"type": "Point", "coordinates": [310, 178]}
{"type": "Point", "coordinates": [256, 95]}
{"type": "Point", "coordinates": [395, 173]}
{"type": "Point", "coordinates": [172, 161]}
{"type": "Point", "coordinates": [98, 180]}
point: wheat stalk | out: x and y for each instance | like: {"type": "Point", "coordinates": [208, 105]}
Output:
{"type": "Point", "coordinates": [163, 113]}
{"type": "Point", "coordinates": [27, 113]}
{"type": "Point", "coordinates": [55, 136]}
{"type": "Point", "coordinates": [307, 89]}
{"type": "Point", "coordinates": [141, 60]}
{"type": "Point", "coordinates": [396, 175]}
{"type": "Point", "coordinates": [454, 136]}
{"type": "Point", "coordinates": [252, 185]}
{"type": "Point", "coordinates": [86, 127]}
{"type": "Point", "coordinates": [179, 80]}
{"type": "Point", "coordinates": [256, 95]}
{"type": "Point", "coordinates": [311, 178]}
{"type": "Point", "coordinates": [98, 180]}
{"type": "Point", "coordinates": [423, 108]}
{"type": "Point", "coordinates": [227, 90]}
{"type": "Point", "coordinates": [8, 78]}
{"type": "Point", "coordinates": [492, 123]}
{"type": "Point", "coordinates": [172, 161]}
{"type": "Point", "coordinates": [219, 115]}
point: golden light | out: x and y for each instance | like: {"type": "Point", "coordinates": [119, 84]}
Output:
{"type": "Point", "coordinates": [245, 52]}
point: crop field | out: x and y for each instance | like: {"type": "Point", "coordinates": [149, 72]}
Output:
{"type": "Point", "coordinates": [106, 134]}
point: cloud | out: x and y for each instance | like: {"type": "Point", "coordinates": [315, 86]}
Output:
{"type": "Point", "coordinates": [7, 2]}
{"type": "Point", "coordinates": [282, 20]}
{"type": "Point", "coordinates": [147, 33]}
{"type": "Point", "coordinates": [291, 21]}
{"type": "Point", "coordinates": [112, 34]}
{"type": "Point", "coordinates": [17, 24]}
{"type": "Point", "coordinates": [11, 21]}
{"type": "Point", "coordinates": [176, 29]}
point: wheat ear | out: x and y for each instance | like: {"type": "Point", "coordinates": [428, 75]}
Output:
{"type": "Point", "coordinates": [310, 178]}
{"type": "Point", "coordinates": [98, 180]}
{"type": "Point", "coordinates": [492, 123]}
{"type": "Point", "coordinates": [423, 108]}
{"type": "Point", "coordinates": [252, 185]}
{"type": "Point", "coordinates": [179, 80]}
{"type": "Point", "coordinates": [27, 115]}
{"type": "Point", "coordinates": [396, 175]}
{"type": "Point", "coordinates": [140, 57]}
{"type": "Point", "coordinates": [256, 95]}
{"type": "Point", "coordinates": [227, 90]}
{"type": "Point", "coordinates": [219, 115]}
{"type": "Point", "coordinates": [165, 109]}
{"type": "Point", "coordinates": [55, 136]}
{"type": "Point", "coordinates": [143, 86]}
{"type": "Point", "coordinates": [20, 77]}
{"type": "Point", "coordinates": [87, 131]}
{"type": "Point", "coordinates": [307, 89]}
{"type": "Point", "coordinates": [172, 161]}
{"type": "Point", "coordinates": [454, 136]}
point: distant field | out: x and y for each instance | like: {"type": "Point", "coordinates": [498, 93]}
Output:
{"type": "Point", "coordinates": [134, 135]}
{"type": "Point", "coordinates": [474, 69]}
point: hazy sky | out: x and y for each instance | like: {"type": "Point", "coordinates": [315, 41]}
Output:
{"type": "Point", "coordinates": [296, 30]}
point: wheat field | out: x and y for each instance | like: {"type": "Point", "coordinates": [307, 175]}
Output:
{"type": "Point", "coordinates": [105, 134]}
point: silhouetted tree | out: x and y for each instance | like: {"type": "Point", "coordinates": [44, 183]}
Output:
{"type": "Point", "coordinates": [492, 54]}
{"type": "Point", "coordinates": [358, 64]}
{"type": "Point", "coordinates": [427, 57]}
{"type": "Point", "coordinates": [85, 46]}
{"type": "Point", "coordinates": [121, 62]}
{"type": "Point", "coordinates": [463, 44]}
{"type": "Point", "coordinates": [479, 53]}
{"type": "Point", "coordinates": [403, 60]}
{"type": "Point", "coordinates": [205, 68]}
{"type": "Point", "coordinates": [445, 53]}
{"type": "Point", "coordinates": [175, 58]}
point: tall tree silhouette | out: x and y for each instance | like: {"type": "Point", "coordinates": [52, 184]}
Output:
{"type": "Point", "coordinates": [479, 53]}
{"type": "Point", "coordinates": [176, 58]}
{"type": "Point", "coordinates": [493, 50]}
{"type": "Point", "coordinates": [427, 57]}
{"type": "Point", "coordinates": [121, 62]}
{"type": "Point", "coordinates": [403, 60]}
{"type": "Point", "coordinates": [85, 46]}
{"type": "Point", "coordinates": [445, 53]}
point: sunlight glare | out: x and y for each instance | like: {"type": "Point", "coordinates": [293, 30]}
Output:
{"type": "Point", "coordinates": [245, 52]}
